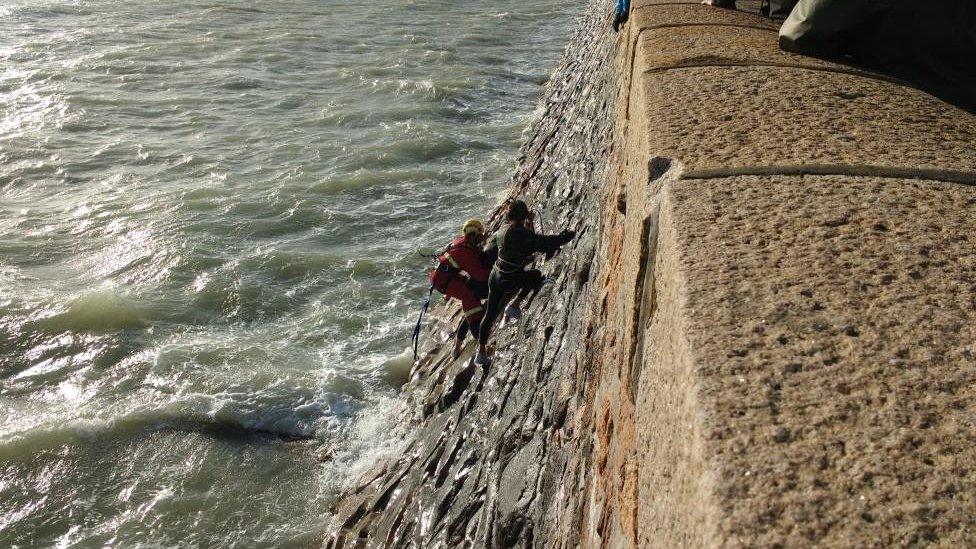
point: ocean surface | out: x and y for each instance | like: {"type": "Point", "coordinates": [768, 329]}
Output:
{"type": "Point", "coordinates": [210, 219]}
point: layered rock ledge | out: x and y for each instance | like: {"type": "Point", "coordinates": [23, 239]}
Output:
{"type": "Point", "coordinates": [763, 336]}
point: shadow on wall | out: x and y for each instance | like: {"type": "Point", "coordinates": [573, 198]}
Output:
{"type": "Point", "coordinates": [929, 44]}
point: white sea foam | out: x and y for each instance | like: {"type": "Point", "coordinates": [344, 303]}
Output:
{"type": "Point", "coordinates": [377, 434]}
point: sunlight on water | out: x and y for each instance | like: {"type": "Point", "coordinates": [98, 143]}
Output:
{"type": "Point", "coordinates": [210, 213]}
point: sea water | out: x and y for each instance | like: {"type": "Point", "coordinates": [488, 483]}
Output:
{"type": "Point", "coordinates": [210, 218]}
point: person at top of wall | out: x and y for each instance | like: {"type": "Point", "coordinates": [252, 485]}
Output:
{"type": "Point", "coordinates": [515, 243]}
{"type": "Point", "coordinates": [621, 14]}
{"type": "Point", "coordinates": [462, 273]}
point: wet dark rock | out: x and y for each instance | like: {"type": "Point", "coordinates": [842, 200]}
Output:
{"type": "Point", "coordinates": [458, 385]}
{"type": "Point", "coordinates": [487, 475]}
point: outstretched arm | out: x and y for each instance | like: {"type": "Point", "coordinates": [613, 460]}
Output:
{"type": "Point", "coordinates": [549, 243]}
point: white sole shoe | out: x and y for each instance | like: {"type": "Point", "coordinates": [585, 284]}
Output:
{"type": "Point", "coordinates": [482, 359]}
{"type": "Point", "coordinates": [512, 313]}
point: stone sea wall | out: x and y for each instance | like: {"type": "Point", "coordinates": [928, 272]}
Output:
{"type": "Point", "coordinates": [763, 335]}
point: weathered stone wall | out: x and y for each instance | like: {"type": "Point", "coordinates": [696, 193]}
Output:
{"type": "Point", "coordinates": [764, 334]}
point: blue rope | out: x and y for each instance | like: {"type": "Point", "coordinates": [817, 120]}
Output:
{"type": "Point", "coordinates": [420, 319]}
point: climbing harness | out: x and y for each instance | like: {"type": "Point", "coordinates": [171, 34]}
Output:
{"type": "Point", "coordinates": [508, 267]}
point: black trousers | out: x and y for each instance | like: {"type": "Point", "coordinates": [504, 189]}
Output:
{"type": "Point", "coordinates": [501, 287]}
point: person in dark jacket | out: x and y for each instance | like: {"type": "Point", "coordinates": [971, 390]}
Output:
{"type": "Point", "coordinates": [515, 243]}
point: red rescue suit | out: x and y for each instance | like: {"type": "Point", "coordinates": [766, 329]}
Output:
{"type": "Point", "coordinates": [447, 279]}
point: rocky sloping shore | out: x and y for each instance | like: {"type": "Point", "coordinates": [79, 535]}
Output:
{"type": "Point", "coordinates": [501, 457]}
{"type": "Point", "coordinates": [762, 336]}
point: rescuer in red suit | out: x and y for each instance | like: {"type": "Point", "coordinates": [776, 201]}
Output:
{"type": "Point", "coordinates": [462, 273]}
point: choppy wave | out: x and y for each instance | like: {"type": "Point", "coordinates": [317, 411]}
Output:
{"type": "Point", "coordinates": [260, 409]}
{"type": "Point", "coordinates": [280, 424]}
{"type": "Point", "coordinates": [97, 311]}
